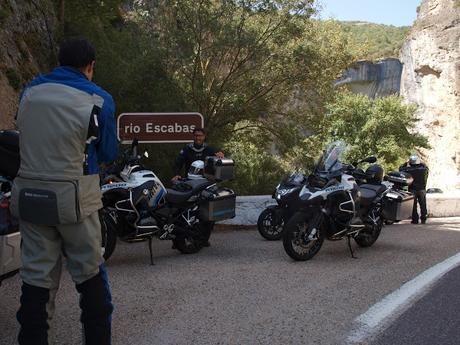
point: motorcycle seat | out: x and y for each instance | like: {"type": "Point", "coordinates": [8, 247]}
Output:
{"type": "Point", "coordinates": [369, 192]}
{"type": "Point", "coordinates": [182, 191]}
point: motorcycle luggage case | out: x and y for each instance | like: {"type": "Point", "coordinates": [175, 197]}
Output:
{"type": "Point", "coordinates": [398, 205]}
{"type": "Point", "coordinates": [219, 169]}
{"type": "Point", "coordinates": [9, 153]}
{"type": "Point", "coordinates": [218, 205]}
{"type": "Point", "coordinates": [10, 257]}
{"type": "Point", "coordinates": [400, 178]}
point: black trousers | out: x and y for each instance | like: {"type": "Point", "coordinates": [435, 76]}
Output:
{"type": "Point", "coordinates": [420, 198]}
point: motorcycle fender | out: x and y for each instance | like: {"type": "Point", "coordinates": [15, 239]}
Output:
{"type": "Point", "coordinates": [276, 210]}
{"type": "Point", "coordinates": [272, 207]}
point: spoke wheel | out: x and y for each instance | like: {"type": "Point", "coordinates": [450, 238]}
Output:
{"type": "Point", "coordinates": [303, 237]}
{"type": "Point", "coordinates": [269, 227]}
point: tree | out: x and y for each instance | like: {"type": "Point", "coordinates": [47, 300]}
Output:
{"type": "Point", "coordinates": [384, 127]}
{"type": "Point", "coordinates": [233, 60]}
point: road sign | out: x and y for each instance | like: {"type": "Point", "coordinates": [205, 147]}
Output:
{"type": "Point", "coordinates": [158, 127]}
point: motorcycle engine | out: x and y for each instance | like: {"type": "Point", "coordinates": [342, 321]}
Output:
{"type": "Point", "coordinates": [341, 206]}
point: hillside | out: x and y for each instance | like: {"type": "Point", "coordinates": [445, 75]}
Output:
{"type": "Point", "coordinates": [375, 41]}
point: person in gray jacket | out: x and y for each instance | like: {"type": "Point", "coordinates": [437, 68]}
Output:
{"type": "Point", "coordinates": [67, 127]}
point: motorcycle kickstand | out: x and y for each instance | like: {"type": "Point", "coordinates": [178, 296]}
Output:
{"type": "Point", "coordinates": [150, 251]}
{"type": "Point", "coordinates": [349, 247]}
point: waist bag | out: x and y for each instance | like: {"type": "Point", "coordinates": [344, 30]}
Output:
{"type": "Point", "coordinates": [55, 201]}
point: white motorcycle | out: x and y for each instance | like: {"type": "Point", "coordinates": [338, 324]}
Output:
{"type": "Point", "coordinates": [10, 239]}
{"type": "Point", "coordinates": [340, 200]}
{"type": "Point", "coordinates": [138, 207]}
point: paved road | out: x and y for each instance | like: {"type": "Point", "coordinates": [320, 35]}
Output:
{"type": "Point", "coordinates": [246, 290]}
{"type": "Point", "coordinates": [432, 320]}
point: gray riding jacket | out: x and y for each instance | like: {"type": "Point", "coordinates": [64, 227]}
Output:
{"type": "Point", "coordinates": [57, 123]}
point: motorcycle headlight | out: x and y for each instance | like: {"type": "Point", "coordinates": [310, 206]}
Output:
{"type": "Point", "coordinates": [282, 192]}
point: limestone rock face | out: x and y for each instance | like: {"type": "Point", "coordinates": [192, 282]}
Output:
{"type": "Point", "coordinates": [27, 47]}
{"type": "Point", "coordinates": [374, 79]}
{"type": "Point", "coordinates": [431, 79]}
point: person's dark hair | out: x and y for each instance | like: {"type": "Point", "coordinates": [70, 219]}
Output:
{"type": "Point", "coordinates": [76, 52]}
{"type": "Point", "coordinates": [199, 129]}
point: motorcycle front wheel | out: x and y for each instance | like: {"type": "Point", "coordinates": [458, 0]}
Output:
{"type": "Point", "coordinates": [108, 234]}
{"type": "Point", "coordinates": [268, 227]}
{"type": "Point", "coordinates": [303, 236]}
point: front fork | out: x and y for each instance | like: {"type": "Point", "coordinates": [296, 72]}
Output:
{"type": "Point", "coordinates": [314, 226]}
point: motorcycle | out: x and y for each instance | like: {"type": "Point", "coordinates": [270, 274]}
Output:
{"type": "Point", "coordinates": [10, 238]}
{"type": "Point", "coordinates": [333, 206]}
{"type": "Point", "coordinates": [137, 206]}
{"type": "Point", "coordinates": [271, 221]}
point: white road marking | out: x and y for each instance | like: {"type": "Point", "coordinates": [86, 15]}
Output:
{"type": "Point", "coordinates": [373, 320]}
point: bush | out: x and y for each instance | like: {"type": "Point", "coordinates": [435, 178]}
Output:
{"type": "Point", "coordinates": [383, 127]}
{"type": "Point", "coordinates": [257, 172]}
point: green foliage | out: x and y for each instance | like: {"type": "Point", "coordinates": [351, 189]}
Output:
{"type": "Point", "coordinates": [261, 73]}
{"type": "Point", "coordinates": [384, 127]}
{"type": "Point", "coordinates": [375, 41]}
{"type": "Point", "coordinates": [4, 14]}
{"type": "Point", "coordinates": [232, 60]}
{"type": "Point", "coordinates": [256, 171]}
{"type": "Point", "coordinates": [13, 78]}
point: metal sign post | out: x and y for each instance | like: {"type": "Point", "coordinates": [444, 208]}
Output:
{"type": "Point", "coordinates": [158, 127]}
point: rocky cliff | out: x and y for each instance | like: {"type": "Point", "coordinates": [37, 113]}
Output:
{"type": "Point", "coordinates": [374, 79]}
{"type": "Point", "coordinates": [27, 47]}
{"type": "Point", "coordinates": [431, 79]}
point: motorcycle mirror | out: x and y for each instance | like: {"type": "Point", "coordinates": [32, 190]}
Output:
{"type": "Point", "coordinates": [134, 146]}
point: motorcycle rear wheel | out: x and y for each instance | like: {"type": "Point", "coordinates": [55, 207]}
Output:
{"type": "Point", "coordinates": [367, 237]}
{"type": "Point", "coordinates": [298, 241]}
{"type": "Point", "coordinates": [267, 228]}
{"type": "Point", "coordinates": [193, 243]}
{"type": "Point", "coordinates": [187, 245]}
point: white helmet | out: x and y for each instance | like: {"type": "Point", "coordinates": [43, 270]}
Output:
{"type": "Point", "coordinates": [196, 170]}
{"type": "Point", "coordinates": [414, 160]}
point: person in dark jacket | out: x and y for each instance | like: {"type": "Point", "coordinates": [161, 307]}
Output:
{"type": "Point", "coordinates": [419, 172]}
{"type": "Point", "coordinates": [198, 150]}
{"type": "Point", "coordinates": [67, 127]}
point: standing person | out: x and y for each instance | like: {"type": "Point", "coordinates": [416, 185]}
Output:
{"type": "Point", "coordinates": [419, 172]}
{"type": "Point", "coordinates": [198, 150]}
{"type": "Point", "coordinates": [67, 126]}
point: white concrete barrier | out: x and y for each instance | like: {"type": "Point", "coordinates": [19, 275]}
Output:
{"type": "Point", "coordinates": [248, 208]}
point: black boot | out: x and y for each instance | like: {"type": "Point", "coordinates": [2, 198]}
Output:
{"type": "Point", "coordinates": [32, 315]}
{"type": "Point", "coordinates": [96, 306]}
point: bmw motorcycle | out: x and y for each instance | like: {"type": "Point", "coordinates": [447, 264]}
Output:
{"type": "Point", "coordinates": [272, 220]}
{"type": "Point", "coordinates": [10, 238]}
{"type": "Point", "coordinates": [137, 207]}
{"type": "Point", "coordinates": [333, 206]}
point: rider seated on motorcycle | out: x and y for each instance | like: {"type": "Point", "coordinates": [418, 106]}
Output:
{"type": "Point", "coordinates": [198, 150]}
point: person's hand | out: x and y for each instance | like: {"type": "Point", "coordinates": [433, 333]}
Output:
{"type": "Point", "coordinates": [220, 154]}
{"type": "Point", "coordinates": [175, 178]}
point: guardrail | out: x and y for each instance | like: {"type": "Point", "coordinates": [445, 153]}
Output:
{"type": "Point", "coordinates": [248, 208]}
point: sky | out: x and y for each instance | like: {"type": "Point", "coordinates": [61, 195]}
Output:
{"type": "Point", "coordinates": [390, 12]}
